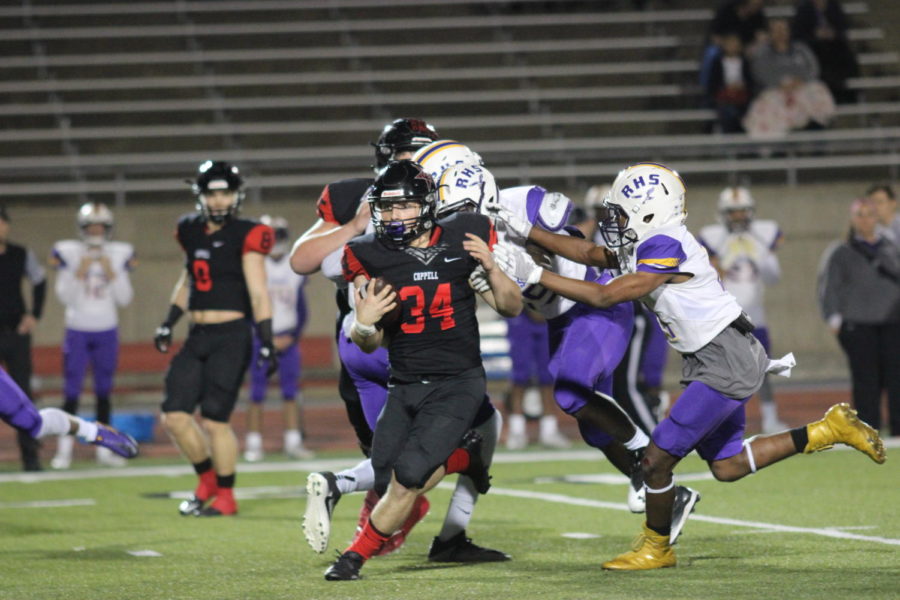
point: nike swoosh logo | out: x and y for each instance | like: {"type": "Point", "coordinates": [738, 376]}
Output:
{"type": "Point", "coordinates": [452, 259]}
{"type": "Point", "coordinates": [218, 244]}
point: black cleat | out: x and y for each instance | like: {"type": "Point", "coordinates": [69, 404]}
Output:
{"type": "Point", "coordinates": [685, 500]}
{"type": "Point", "coordinates": [459, 548]}
{"type": "Point", "coordinates": [477, 471]}
{"type": "Point", "coordinates": [191, 506]}
{"type": "Point", "coordinates": [636, 493]}
{"type": "Point", "coordinates": [322, 495]}
{"type": "Point", "coordinates": [345, 568]}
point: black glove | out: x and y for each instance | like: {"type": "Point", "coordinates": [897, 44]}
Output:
{"type": "Point", "coordinates": [163, 337]}
{"type": "Point", "coordinates": [267, 356]}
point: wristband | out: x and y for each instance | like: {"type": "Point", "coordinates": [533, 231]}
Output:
{"type": "Point", "coordinates": [363, 330]}
{"type": "Point", "coordinates": [175, 313]}
{"type": "Point", "coordinates": [264, 329]}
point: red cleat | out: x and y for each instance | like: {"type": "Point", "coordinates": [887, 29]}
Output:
{"type": "Point", "coordinates": [419, 510]}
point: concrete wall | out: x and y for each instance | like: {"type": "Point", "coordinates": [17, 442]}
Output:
{"type": "Point", "coordinates": [810, 215]}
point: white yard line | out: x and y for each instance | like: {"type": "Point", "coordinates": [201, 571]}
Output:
{"type": "Point", "coordinates": [49, 503]}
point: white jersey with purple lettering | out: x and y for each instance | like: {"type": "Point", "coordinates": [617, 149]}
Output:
{"type": "Point", "coordinates": [92, 301]}
{"type": "Point", "coordinates": [286, 291]}
{"type": "Point", "coordinates": [691, 313]}
{"type": "Point", "coordinates": [748, 262]}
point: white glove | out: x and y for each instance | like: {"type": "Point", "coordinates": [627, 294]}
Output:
{"type": "Point", "coordinates": [515, 227]}
{"type": "Point", "coordinates": [478, 280]}
{"type": "Point", "coordinates": [517, 265]}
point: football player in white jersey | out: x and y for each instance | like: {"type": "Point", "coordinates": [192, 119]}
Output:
{"type": "Point", "coordinates": [92, 282]}
{"type": "Point", "coordinates": [723, 364]}
{"type": "Point", "coordinates": [742, 249]}
{"type": "Point", "coordinates": [288, 318]}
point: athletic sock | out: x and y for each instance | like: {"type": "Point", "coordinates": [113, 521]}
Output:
{"type": "Point", "coordinates": [53, 422]}
{"type": "Point", "coordinates": [458, 461]}
{"type": "Point", "coordinates": [639, 440]}
{"type": "Point", "coordinates": [368, 542]}
{"type": "Point", "coordinates": [356, 479]}
{"type": "Point", "coordinates": [800, 435]}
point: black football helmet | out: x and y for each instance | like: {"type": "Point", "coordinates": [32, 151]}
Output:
{"type": "Point", "coordinates": [402, 181]}
{"type": "Point", "coordinates": [215, 175]}
{"type": "Point", "coordinates": [402, 135]}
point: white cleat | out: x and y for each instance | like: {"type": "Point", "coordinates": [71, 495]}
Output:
{"type": "Point", "coordinates": [322, 495]}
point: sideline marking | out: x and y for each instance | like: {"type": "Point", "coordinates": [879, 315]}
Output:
{"type": "Point", "coordinates": [49, 503]}
{"type": "Point", "coordinates": [562, 499]}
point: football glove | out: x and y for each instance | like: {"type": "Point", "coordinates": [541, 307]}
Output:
{"type": "Point", "coordinates": [515, 227]}
{"type": "Point", "coordinates": [516, 263]}
{"type": "Point", "coordinates": [478, 279]}
{"type": "Point", "coordinates": [267, 358]}
{"type": "Point", "coordinates": [162, 339]}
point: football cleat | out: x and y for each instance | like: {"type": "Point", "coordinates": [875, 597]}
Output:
{"type": "Point", "coordinates": [685, 501]}
{"type": "Point", "coordinates": [322, 495]}
{"type": "Point", "coordinates": [555, 440]}
{"type": "Point", "coordinates": [419, 510]}
{"type": "Point", "coordinates": [120, 443]}
{"type": "Point", "coordinates": [637, 496]}
{"type": "Point", "coordinates": [218, 508]}
{"type": "Point", "coordinates": [477, 471]}
{"type": "Point", "coordinates": [459, 548]}
{"type": "Point", "coordinates": [649, 551]}
{"type": "Point", "coordinates": [190, 506]}
{"type": "Point", "coordinates": [345, 568]}
{"type": "Point", "coordinates": [840, 425]}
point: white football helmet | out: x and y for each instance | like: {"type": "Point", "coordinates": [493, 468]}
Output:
{"type": "Point", "coordinates": [644, 197]}
{"type": "Point", "coordinates": [282, 235]}
{"type": "Point", "coordinates": [437, 157]}
{"type": "Point", "coordinates": [94, 213]}
{"type": "Point", "coordinates": [596, 195]}
{"type": "Point", "coordinates": [465, 187]}
{"type": "Point", "coordinates": [736, 207]}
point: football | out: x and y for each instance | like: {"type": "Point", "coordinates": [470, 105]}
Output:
{"type": "Point", "coordinates": [391, 319]}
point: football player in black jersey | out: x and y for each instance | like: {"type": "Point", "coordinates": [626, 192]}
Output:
{"type": "Point", "coordinates": [437, 379]}
{"type": "Point", "coordinates": [223, 284]}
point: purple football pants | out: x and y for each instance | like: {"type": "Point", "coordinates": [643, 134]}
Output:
{"type": "Point", "coordinates": [100, 349]}
{"type": "Point", "coordinates": [288, 373]}
{"type": "Point", "coordinates": [529, 350]}
{"type": "Point", "coordinates": [586, 346]}
{"type": "Point", "coordinates": [705, 420]}
{"type": "Point", "coordinates": [15, 407]}
{"type": "Point", "coordinates": [370, 373]}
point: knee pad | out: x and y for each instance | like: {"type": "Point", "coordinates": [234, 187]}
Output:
{"type": "Point", "coordinates": [412, 472]}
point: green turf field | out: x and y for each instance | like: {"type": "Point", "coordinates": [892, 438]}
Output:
{"type": "Point", "coordinates": [822, 526]}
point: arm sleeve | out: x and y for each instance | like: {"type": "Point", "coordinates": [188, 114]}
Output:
{"type": "Point", "coordinates": [39, 294]}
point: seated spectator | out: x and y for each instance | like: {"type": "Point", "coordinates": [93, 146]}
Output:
{"type": "Point", "coordinates": [730, 84]}
{"type": "Point", "coordinates": [791, 97]}
{"type": "Point", "coordinates": [744, 18]}
{"type": "Point", "coordinates": [822, 25]}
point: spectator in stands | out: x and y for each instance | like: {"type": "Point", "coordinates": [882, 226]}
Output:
{"type": "Point", "coordinates": [17, 323]}
{"type": "Point", "coordinates": [882, 195]}
{"type": "Point", "coordinates": [92, 281]}
{"type": "Point", "coordinates": [730, 85]}
{"type": "Point", "coordinates": [529, 350]}
{"type": "Point", "coordinates": [744, 18]}
{"type": "Point", "coordinates": [859, 289]}
{"type": "Point", "coordinates": [822, 25]}
{"type": "Point", "coordinates": [288, 319]}
{"type": "Point", "coordinates": [792, 97]}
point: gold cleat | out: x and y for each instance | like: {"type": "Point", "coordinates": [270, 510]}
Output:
{"type": "Point", "coordinates": [840, 425]}
{"type": "Point", "coordinates": [649, 551]}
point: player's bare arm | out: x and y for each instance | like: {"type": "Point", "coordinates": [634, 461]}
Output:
{"type": "Point", "coordinates": [180, 292]}
{"type": "Point", "coordinates": [323, 238]}
{"type": "Point", "coordinates": [575, 249]}
{"type": "Point", "coordinates": [505, 295]}
{"type": "Point", "coordinates": [370, 307]}
{"type": "Point", "coordinates": [621, 289]}
{"type": "Point", "coordinates": [254, 267]}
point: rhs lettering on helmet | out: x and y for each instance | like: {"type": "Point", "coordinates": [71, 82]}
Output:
{"type": "Point", "coordinates": [638, 182]}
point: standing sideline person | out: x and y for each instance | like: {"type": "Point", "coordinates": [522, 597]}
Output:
{"type": "Point", "coordinates": [859, 291]}
{"type": "Point", "coordinates": [723, 364]}
{"type": "Point", "coordinates": [743, 249]}
{"type": "Point", "coordinates": [92, 282]}
{"type": "Point", "coordinates": [223, 283]}
{"type": "Point", "coordinates": [17, 322]}
{"type": "Point", "coordinates": [437, 380]}
{"type": "Point", "coordinates": [885, 200]}
{"type": "Point", "coordinates": [288, 319]}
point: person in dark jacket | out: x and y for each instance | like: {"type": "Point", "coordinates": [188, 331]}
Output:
{"type": "Point", "coordinates": [859, 289]}
{"type": "Point", "coordinates": [822, 25]}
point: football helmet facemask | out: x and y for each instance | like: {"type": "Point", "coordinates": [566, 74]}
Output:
{"type": "Point", "coordinates": [465, 188]}
{"type": "Point", "coordinates": [94, 213]}
{"type": "Point", "coordinates": [644, 197]}
{"type": "Point", "coordinates": [215, 176]}
{"type": "Point", "coordinates": [736, 207]}
{"type": "Point", "coordinates": [402, 135]}
{"type": "Point", "coordinates": [402, 181]}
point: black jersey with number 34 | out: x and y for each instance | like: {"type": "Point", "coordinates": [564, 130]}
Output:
{"type": "Point", "coordinates": [214, 261]}
{"type": "Point", "coordinates": [438, 332]}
